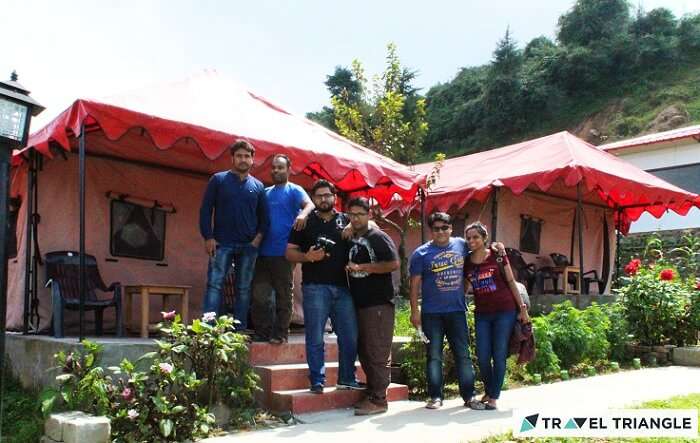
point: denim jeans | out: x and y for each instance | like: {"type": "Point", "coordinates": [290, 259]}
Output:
{"type": "Point", "coordinates": [242, 256]}
{"type": "Point", "coordinates": [321, 302]}
{"type": "Point", "coordinates": [454, 326]}
{"type": "Point", "coordinates": [493, 333]}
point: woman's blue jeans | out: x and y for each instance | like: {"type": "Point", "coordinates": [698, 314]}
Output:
{"type": "Point", "coordinates": [493, 333]}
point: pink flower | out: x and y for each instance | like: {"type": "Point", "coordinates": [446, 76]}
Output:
{"type": "Point", "coordinates": [166, 368]}
{"type": "Point", "coordinates": [168, 315]}
{"type": "Point", "coordinates": [128, 394]}
{"type": "Point", "coordinates": [209, 316]}
{"type": "Point", "coordinates": [132, 414]}
{"type": "Point", "coordinates": [697, 284]}
{"type": "Point", "coordinates": [666, 274]}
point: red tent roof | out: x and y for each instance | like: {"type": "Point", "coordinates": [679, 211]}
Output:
{"type": "Point", "coordinates": [650, 139]}
{"type": "Point", "coordinates": [558, 161]}
{"type": "Point", "coordinates": [189, 125]}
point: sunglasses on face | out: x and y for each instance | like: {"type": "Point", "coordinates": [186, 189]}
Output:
{"type": "Point", "coordinates": [441, 228]}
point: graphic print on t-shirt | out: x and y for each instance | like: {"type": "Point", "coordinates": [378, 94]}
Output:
{"type": "Point", "coordinates": [447, 267]}
{"type": "Point", "coordinates": [360, 245]}
{"type": "Point", "coordinates": [483, 281]}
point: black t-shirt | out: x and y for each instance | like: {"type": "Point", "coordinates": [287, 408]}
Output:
{"type": "Point", "coordinates": [371, 289]}
{"type": "Point", "coordinates": [331, 270]}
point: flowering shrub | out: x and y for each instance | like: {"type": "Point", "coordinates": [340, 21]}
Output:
{"type": "Point", "coordinates": [655, 304]}
{"type": "Point", "coordinates": [195, 366]}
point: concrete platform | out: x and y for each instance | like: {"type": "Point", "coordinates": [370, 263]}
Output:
{"type": "Point", "coordinates": [687, 356]}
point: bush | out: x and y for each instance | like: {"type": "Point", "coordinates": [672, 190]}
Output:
{"type": "Point", "coordinates": [570, 335]}
{"type": "Point", "coordinates": [618, 332]}
{"type": "Point", "coordinates": [654, 302]}
{"type": "Point", "coordinates": [195, 366]}
{"type": "Point", "coordinates": [598, 324]}
{"type": "Point", "coordinates": [546, 361]}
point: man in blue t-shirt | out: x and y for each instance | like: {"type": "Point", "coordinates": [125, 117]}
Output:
{"type": "Point", "coordinates": [236, 202]}
{"type": "Point", "coordinates": [437, 273]}
{"type": "Point", "coordinates": [288, 206]}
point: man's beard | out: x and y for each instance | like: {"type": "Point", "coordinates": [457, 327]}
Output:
{"type": "Point", "coordinates": [325, 207]}
{"type": "Point", "coordinates": [242, 167]}
{"type": "Point", "coordinates": [279, 178]}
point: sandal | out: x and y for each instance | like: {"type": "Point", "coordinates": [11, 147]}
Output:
{"type": "Point", "coordinates": [476, 405]}
{"type": "Point", "coordinates": [489, 407]}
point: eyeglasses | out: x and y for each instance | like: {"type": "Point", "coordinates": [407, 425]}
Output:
{"type": "Point", "coordinates": [357, 214]}
{"type": "Point", "coordinates": [324, 196]}
{"type": "Point", "coordinates": [441, 228]}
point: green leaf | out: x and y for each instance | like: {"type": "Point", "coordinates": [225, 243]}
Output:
{"type": "Point", "coordinates": [178, 409]}
{"type": "Point", "coordinates": [147, 356]}
{"type": "Point", "coordinates": [63, 378]}
{"type": "Point", "coordinates": [166, 427]}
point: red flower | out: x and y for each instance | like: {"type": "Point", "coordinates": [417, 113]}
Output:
{"type": "Point", "coordinates": [666, 274]}
{"type": "Point", "coordinates": [633, 266]}
{"type": "Point", "coordinates": [697, 284]}
{"type": "Point", "coordinates": [168, 315]}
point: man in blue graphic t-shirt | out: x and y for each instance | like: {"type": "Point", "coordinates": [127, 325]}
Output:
{"type": "Point", "coordinates": [437, 274]}
{"type": "Point", "coordinates": [288, 206]}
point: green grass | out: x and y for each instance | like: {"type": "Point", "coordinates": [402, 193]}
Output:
{"type": "Point", "coordinates": [402, 320]}
{"type": "Point", "coordinates": [22, 421]}
{"type": "Point", "coordinates": [690, 401]}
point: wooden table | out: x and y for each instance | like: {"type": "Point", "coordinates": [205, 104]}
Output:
{"type": "Point", "coordinates": [146, 291]}
{"type": "Point", "coordinates": [565, 271]}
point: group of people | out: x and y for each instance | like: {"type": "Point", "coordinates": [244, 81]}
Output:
{"type": "Point", "coordinates": [347, 262]}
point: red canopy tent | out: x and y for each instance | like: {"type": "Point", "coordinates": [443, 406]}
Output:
{"type": "Point", "coordinates": [158, 145]}
{"type": "Point", "coordinates": [563, 167]}
{"type": "Point", "coordinates": [188, 125]}
{"type": "Point", "coordinates": [558, 158]}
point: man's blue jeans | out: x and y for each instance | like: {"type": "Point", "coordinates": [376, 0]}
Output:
{"type": "Point", "coordinates": [242, 256]}
{"type": "Point", "coordinates": [454, 326]}
{"type": "Point", "coordinates": [321, 302]}
{"type": "Point", "coordinates": [493, 333]}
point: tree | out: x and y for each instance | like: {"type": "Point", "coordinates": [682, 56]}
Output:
{"type": "Point", "coordinates": [590, 21]}
{"type": "Point", "coordinates": [391, 119]}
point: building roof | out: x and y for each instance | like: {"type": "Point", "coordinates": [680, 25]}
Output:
{"type": "Point", "coordinates": [651, 139]}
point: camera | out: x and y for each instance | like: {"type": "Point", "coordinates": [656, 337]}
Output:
{"type": "Point", "coordinates": [324, 243]}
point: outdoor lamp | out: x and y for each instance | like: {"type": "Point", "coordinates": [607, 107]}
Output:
{"type": "Point", "coordinates": [16, 111]}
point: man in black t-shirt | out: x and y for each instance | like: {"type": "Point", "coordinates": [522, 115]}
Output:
{"type": "Point", "coordinates": [371, 260]}
{"type": "Point", "coordinates": [323, 253]}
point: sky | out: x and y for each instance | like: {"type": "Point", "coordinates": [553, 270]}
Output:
{"type": "Point", "coordinates": [282, 50]}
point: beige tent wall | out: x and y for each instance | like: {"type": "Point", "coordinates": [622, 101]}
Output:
{"type": "Point", "coordinates": [58, 205]}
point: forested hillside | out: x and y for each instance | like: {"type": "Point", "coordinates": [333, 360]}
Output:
{"type": "Point", "coordinates": [613, 72]}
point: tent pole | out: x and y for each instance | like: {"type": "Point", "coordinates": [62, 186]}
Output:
{"type": "Point", "coordinates": [421, 196]}
{"type": "Point", "coordinates": [28, 253]}
{"type": "Point", "coordinates": [618, 238]}
{"type": "Point", "coordinates": [36, 253]}
{"type": "Point", "coordinates": [82, 281]}
{"type": "Point", "coordinates": [494, 214]}
{"type": "Point", "coordinates": [579, 218]}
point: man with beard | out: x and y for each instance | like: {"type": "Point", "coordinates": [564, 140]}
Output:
{"type": "Point", "coordinates": [372, 259]}
{"type": "Point", "coordinates": [288, 206]}
{"type": "Point", "coordinates": [236, 200]}
{"type": "Point", "coordinates": [323, 254]}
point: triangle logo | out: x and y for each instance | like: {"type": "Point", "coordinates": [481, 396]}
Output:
{"type": "Point", "coordinates": [529, 422]}
{"type": "Point", "coordinates": [571, 424]}
{"type": "Point", "coordinates": [580, 421]}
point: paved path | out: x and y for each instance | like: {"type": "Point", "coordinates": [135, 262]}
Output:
{"type": "Point", "coordinates": [409, 421]}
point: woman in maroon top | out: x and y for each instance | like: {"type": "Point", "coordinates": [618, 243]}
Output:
{"type": "Point", "coordinates": [497, 305]}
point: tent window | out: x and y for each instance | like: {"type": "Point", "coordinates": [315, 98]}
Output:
{"type": "Point", "coordinates": [15, 204]}
{"type": "Point", "coordinates": [136, 231]}
{"type": "Point", "coordinates": [530, 230]}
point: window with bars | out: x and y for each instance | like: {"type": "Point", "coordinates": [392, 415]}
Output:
{"type": "Point", "coordinates": [136, 231]}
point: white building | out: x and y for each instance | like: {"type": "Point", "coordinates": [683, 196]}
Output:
{"type": "Point", "coordinates": [673, 156]}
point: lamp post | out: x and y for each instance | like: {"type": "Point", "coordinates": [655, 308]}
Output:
{"type": "Point", "coordinates": [16, 111]}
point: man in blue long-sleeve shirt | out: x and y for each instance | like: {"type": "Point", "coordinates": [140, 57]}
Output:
{"type": "Point", "coordinates": [237, 202]}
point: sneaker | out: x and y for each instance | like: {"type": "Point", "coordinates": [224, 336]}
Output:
{"type": "Point", "coordinates": [316, 389]}
{"type": "Point", "coordinates": [355, 386]}
{"type": "Point", "coordinates": [278, 341]}
{"type": "Point", "coordinates": [371, 408]}
{"type": "Point", "coordinates": [434, 403]}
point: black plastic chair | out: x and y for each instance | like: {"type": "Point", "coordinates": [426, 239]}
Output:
{"type": "Point", "coordinates": [563, 260]}
{"type": "Point", "coordinates": [524, 272]}
{"type": "Point", "coordinates": [63, 275]}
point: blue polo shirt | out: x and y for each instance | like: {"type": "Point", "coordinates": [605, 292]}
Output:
{"type": "Point", "coordinates": [237, 206]}
{"type": "Point", "coordinates": [284, 203]}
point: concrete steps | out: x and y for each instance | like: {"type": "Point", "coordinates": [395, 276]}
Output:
{"type": "Point", "coordinates": [284, 378]}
